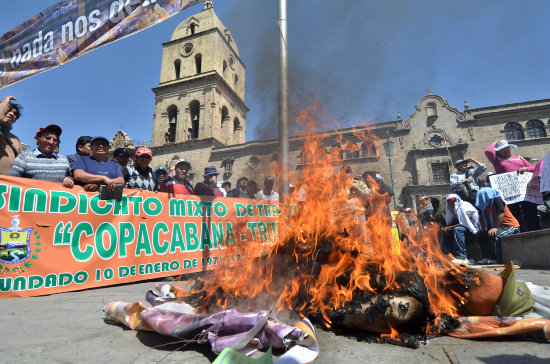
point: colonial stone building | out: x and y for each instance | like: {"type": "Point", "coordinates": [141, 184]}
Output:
{"type": "Point", "coordinates": [200, 115]}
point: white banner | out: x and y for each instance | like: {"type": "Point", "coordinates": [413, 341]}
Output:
{"type": "Point", "coordinates": [515, 187]}
{"type": "Point", "coordinates": [545, 175]}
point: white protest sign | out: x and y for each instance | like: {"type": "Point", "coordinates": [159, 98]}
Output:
{"type": "Point", "coordinates": [515, 187]}
{"type": "Point", "coordinates": [545, 175]}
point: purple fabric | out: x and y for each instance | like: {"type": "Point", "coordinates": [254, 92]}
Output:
{"type": "Point", "coordinates": [222, 329]}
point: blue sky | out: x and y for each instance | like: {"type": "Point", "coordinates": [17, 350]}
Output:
{"type": "Point", "coordinates": [363, 60]}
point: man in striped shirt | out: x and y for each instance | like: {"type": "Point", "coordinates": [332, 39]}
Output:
{"type": "Point", "coordinates": [43, 162]}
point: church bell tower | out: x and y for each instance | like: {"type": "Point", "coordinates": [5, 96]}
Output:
{"type": "Point", "coordinates": [201, 90]}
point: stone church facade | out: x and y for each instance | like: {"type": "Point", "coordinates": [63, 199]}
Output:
{"type": "Point", "coordinates": [200, 115]}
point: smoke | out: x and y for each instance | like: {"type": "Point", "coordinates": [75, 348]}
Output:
{"type": "Point", "coordinates": [366, 60]}
{"type": "Point", "coordinates": [335, 52]}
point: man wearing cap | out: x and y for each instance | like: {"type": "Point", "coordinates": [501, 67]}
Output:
{"type": "Point", "coordinates": [96, 170]}
{"type": "Point", "coordinates": [465, 181]}
{"type": "Point", "coordinates": [267, 193]}
{"type": "Point", "coordinates": [178, 184]}
{"type": "Point", "coordinates": [121, 156]}
{"type": "Point", "coordinates": [160, 175]}
{"type": "Point", "coordinates": [43, 162]}
{"type": "Point", "coordinates": [500, 155]}
{"type": "Point", "coordinates": [140, 175]}
{"type": "Point", "coordinates": [10, 145]}
{"type": "Point", "coordinates": [82, 147]}
{"type": "Point", "coordinates": [209, 187]}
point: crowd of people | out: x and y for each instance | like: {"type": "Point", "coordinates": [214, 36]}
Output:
{"type": "Point", "coordinates": [476, 212]}
{"type": "Point", "coordinates": [90, 167]}
{"type": "Point", "coordinates": [472, 212]}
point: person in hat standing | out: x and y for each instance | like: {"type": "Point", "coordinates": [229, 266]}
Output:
{"type": "Point", "coordinates": [178, 184]}
{"type": "Point", "coordinates": [10, 145]}
{"type": "Point", "coordinates": [140, 175]}
{"type": "Point", "coordinates": [96, 170]}
{"type": "Point", "coordinates": [121, 156]}
{"type": "Point", "coordinates": [209, 187]}
{"type": "Point", "coordinates": [43, 162]}
{"type": "Point", "coordinates": [465, 181]}
{"type": "Point", "coordinates": [500, 156]}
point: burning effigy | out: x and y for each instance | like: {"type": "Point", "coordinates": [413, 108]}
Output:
{"type": "Point", "coordinates": [336, 262]}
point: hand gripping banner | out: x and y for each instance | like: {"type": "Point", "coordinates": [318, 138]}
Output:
{"type": "Point", "coordinates": [71, 28]}
{"type": "Point", "coordinates": [55, 239]}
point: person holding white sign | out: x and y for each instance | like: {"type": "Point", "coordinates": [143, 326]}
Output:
{"type": "Point", "coordinates": [497, 221]}
{"type": "Point", "coordinates": [500, 156]}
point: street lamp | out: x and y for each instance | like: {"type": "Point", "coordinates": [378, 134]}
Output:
{"type": "Point", "coordinates": [388, 149]}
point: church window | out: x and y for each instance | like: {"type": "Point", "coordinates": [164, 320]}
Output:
{"type": "Point", "coordinates": [440, 173]}
{"type": "Point", "coordinates": [172, 123]}
{"type": "Point", "coordinates": [236, 80]}
{"type": "Point", "coordinates": [194, 111]}
{"type": "Point", "coordinates": [535, 129]}
{"type": "Point", "coordinates": [334, 152]}
{"type": "Point", "coordinates": [231, 62]}
{"type": "Point", "coordinates": [354, 152]}
{"type": "Point", "coordinates": [198, 62]}
{"type": "Point", "coordinates": [224, 65]}
{"type": "Point", "coordinates": [225, 118]}
{"type": "Point", "coordinates": [187, 49]}
{"type": "Point", "coordinates": [237, 130]}
{"type": "Point", "coordinates": [514, 131]}
{"type": "Point", "coordinates": [431, 110]}
{"type": "Point", "coordinates": [436, 141]}
{"type": "Point", "coordinates": [368, 150]}
{"type": "Point", "coordinates": [253, 162]}
{"type": "Point", "coordinates": [177, 68]}
{"type": "Point", "coordinates": [192, 28]}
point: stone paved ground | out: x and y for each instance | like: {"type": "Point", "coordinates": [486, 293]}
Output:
{"type": "Point", "coordinates": [69, 328]}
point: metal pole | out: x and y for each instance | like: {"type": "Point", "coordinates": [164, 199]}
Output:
{"type": "Point", "coordinates": [283, 101]}
{"type": "Point", "coordinates": [393, 185]}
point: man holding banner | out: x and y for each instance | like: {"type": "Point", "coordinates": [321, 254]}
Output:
{"type": "Point", "coordinates": [10, 145]}
{"type": "Point", "coordinates": [500, 156]}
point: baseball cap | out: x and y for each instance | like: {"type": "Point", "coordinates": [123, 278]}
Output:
{"type": "Point", "coordinates": [121, 152]}
{"type": "Point", "coordinates": [99, 138]}
{"type": "Point", "coordinates": [51, 128]}
{"type": "Point", "coordinates": [144, 150]}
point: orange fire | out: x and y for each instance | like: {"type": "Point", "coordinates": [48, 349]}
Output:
{"type": "Point", "coordinates": [351, 230]}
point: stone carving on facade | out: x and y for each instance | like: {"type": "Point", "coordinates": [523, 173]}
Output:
{"type": "Point", "coordinates": [471, 132]}
{"type": "Point", "coordinates": [401, 142]}
{"type": "Point", "coordinates": [253, 162]}
{"type": "Point", "coordinates": [121, 140]}
{"type": "Point", "coordinates": [429, 98]}
{"type": "Point", "coordinates": [436, 138]}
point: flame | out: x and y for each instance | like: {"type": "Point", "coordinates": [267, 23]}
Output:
{"type": "Point", "coordinates": [393, 335]}
{"type": "Point", "coordinates": [335, 240]}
